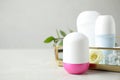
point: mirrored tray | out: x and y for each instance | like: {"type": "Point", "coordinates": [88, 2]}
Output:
{"type": "Point", "coordinates": [97, 58]}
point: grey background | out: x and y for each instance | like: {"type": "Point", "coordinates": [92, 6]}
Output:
{"type": "Point", "coordinates": [24, 24]}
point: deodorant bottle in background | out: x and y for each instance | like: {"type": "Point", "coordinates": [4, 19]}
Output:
{"type": "Point", "coordinates": [86, 25]}
{"type": "Point", "coordinates": [105, 35]}
{"type": "Point", "coordinates": [76, 53]}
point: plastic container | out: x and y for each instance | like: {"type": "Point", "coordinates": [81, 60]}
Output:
{"type": "Point", "coordinates": [76, 53]}
{"type": "Point", "coordinates": [86, 25]}
{"type": "Point", "coordinates": [105, 34]}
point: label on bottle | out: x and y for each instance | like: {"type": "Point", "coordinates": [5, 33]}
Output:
{"type": "Point", "coordinates": [105, 41]}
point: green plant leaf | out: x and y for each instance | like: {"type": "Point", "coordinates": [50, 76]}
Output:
{"type": "Point", "coordinates": [61, 43]}
{"type": "Point", "coordinates": [62, 33]}
{"type": "Point", "coordinates": [57, 33]}
{"type": "Point", "coordinates": [49, 39]}
{"type": "Point", "coordinates": [56, 40]}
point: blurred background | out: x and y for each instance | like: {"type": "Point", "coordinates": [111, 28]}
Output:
{"type": "Point", "coordinates": [24, 24]}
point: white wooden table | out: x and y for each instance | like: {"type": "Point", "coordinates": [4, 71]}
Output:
{"type": "Point", "coordinates": [40, 65]}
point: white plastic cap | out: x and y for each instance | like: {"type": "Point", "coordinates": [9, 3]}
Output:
{"type": "Point", "coordinates": [105, 24]}
{"type": "Point", "coordinates": [87, 17]}
{"type": "Point", "coordinates": [75, 48]}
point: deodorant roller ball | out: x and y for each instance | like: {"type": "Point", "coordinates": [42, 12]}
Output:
{"type": "Point", "coordinates": [75, 53]}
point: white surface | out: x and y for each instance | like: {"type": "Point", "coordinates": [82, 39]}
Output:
{"type": "Point", "coordinates": [26, 23]}
{"type": "Point", "coordinates": [40, 65]}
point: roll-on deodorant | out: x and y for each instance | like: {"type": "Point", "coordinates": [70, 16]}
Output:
{"type": "Point", "coordinates": [86, 25]}
{"type": "Point", "coordinates": [105, 34]}
{"type": "Point", "coordinates": [76, 53]}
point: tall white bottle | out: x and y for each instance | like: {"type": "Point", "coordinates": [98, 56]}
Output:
{"type": "Point", "coordinates": [86, 25]}
{"type": "Point", "coordinates": [105, 34]}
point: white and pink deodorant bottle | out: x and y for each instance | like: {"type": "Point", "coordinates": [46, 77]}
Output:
{"type": "Point", "coordinates": [76, 53]}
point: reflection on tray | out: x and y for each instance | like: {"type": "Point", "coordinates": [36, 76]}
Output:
{"type": "Point", "coordinates": [98, 58]}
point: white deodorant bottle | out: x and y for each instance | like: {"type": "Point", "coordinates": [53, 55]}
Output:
{"type": "Point", "coordinates": [105, 34]}
{"type": "Point", "coordinates": [86, 25]}
{"type": "Point", "coordinates": [75, 53]}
